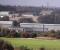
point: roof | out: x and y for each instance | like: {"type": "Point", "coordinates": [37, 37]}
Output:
{"type": "Point", "coordinates": [27, 15]}
{"type": "Point", "coordinates": [4, 12]}
{"type": "Point", "coordinates": [44, 12]}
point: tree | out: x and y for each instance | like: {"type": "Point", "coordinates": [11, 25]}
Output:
{"type": "Point", "coordinates": [26, 20]}
{"type": "Point", "coordinates": [49, 19]}
{"type": "Point", "coordinates": [52, 33]}
{"type": "Point", "coordinates": [5, 46]}
{"type": "Point", "coordinates": [17, 34]}
{"type": "Point", "coordinates": [58, 34]}
{"type": "Point", "coordinates": [34, 35]}
{"type": "Point", "coordinates": [15, 23]}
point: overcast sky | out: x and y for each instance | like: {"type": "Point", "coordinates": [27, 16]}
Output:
{"type": "Point", "coordinates": [53, 3]}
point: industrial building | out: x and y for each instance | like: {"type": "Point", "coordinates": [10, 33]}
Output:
{"type": "Point", "coordinates": [38, 27]}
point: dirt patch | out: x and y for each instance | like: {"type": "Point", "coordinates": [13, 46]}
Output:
{"type": "Point", "coordinates": [16, 49]}
{"type": "Point", "coordinates": [46, 38]}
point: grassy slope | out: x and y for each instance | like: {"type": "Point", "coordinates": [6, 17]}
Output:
{"type": "Point", "coordinates": [34, 43]}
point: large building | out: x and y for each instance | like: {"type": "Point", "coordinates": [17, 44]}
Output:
{"type": "Point", "coordinates": [33, 27]}
{"type": "Point", "coordinates": [38, 27]}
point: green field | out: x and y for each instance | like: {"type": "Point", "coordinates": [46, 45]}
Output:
{"type": "Point", "coordinates": [34, 43]}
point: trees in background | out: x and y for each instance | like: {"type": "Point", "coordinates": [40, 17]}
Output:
{"type": "Point", "coordinates": [50, 19]}
{"type": "Point", "coordinates": [15, 23]}
{"type": "Point", "coordinates": [53, 18]}
{"type": "Point", "coordinates": [26, 20]}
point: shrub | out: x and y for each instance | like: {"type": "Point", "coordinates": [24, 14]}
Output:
{"type": "Point", "coordinates": [5, 46]}
{"type": "Point", "coordinates": [34, 35]}
{"type": "Point", "coordinates": [26, 35]}
{"type": "Point", "coordinates": [58, 34]}
{"type": "Point", "coordinates": [42, 48]}
{"type": "Point", "coordinates": [52, 31]}
{"type": "Point", "coordinates": [17, 35]}
{"type": "Point", "coordinates": [25, 48]}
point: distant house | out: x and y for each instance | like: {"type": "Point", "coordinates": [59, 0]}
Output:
{"type": "Point", "coordinates": [27, 15]}
{"type": "Point", "coordinates": [14, 16]}
{"type": "Point", "coordinates": [46, 12]}
{"type": "Point", "coordinates": [6, 24]}
{"type": "Point", "coordinates": [4, 13]}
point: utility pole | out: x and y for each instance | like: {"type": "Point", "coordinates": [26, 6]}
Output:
{"type": "Point", "coordinates": [43, 27]}
{"type": "Point", "coordinates": [55, 19]}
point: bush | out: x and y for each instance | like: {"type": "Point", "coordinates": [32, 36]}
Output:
{"type": "Point", "coordinates": [5, 46]}
{"type": "Point", "coordinates": [52, 31]}
{"type": "Point", "coordinates": [58, 34]}
{"type": "Point", "coordinates": [25, 35]}
{"type": "Point", "coordinates": [34, 35]}
{"type": "Point", "coordinates": [25, 48]}
{"type": "Point", "coordinates": [17, 35]}
{"type": "Point", "coordinates": [42, 48]}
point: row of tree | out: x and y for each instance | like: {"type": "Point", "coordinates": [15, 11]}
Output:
{"type": "Point", "coordinates": [52, 34]}
{"type": "Point", "coordinates": [4, 32]}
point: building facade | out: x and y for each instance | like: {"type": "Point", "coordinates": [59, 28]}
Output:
{"type": "Point", "coordinates": [38, 27]}
{"type": "Point", "coordinates": [6, 24]}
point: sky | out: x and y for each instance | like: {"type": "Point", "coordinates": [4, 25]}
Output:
{"type": "Point", "coordinates": [50, 3]}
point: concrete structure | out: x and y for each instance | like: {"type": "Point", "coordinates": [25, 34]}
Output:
{"type": "Point", "coordinates": [33, 27]}
{"type": "Point", "coordinates": [52, 26]}
{"type": "Point", "coordinates": [38, 27]}
{"type": "Point", "coordinates": [16, 28]}
{"type": "Point", "coordinates": [30, 27]}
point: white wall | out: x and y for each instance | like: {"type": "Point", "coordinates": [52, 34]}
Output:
{"type": "Point", "coordinates": [52, 26]}
{"type": "Point", "coordinates": [39, 25]}
{"type": "Point", "coordinates": [4, 13]}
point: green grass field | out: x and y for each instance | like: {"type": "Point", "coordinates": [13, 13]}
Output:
{"type": "Point", "coordinates": [34, 43]}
